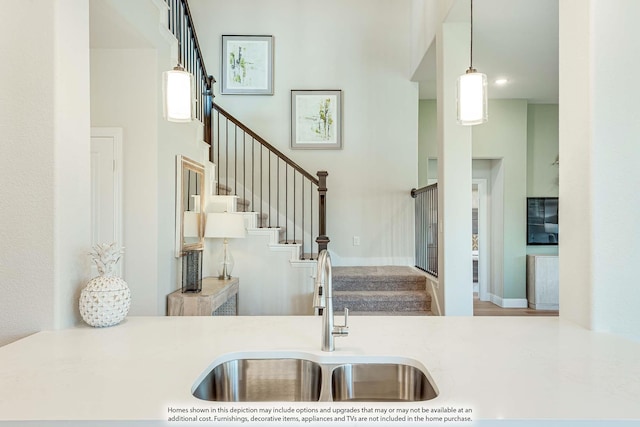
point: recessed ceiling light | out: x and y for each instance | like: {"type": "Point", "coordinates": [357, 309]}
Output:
{"type": "Point", "coordinates": [501, 82]}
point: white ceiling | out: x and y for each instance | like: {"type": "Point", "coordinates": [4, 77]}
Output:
{"type": "Point", "coordinates": [512, 39]}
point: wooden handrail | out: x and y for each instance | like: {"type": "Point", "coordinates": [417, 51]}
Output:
{"type": "Point", "coordinates": [264, 143]}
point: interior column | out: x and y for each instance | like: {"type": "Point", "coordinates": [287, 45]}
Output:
{"type": "Point", "coordinates": [455, 274]}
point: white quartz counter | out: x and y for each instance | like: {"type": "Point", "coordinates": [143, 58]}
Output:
{"type": "Point", "coordinates": [501, 367]}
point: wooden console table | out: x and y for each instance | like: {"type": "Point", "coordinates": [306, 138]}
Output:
{"type": "Point", "coordinates": [217, 298]}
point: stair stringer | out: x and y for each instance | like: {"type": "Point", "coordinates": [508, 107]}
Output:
{"type": "Point", "coordinates": [270, 283]}
{"type": "Point", "coordinates": [273, 278]}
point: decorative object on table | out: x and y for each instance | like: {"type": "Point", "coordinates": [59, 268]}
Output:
{"type": "Point", "coordinates": [192, 271]}
{"type": "Point", "coordinates": [225, 226]}
{"type": "Point", "coordinates": [316, 119]}
{"type": "Point", "coordinates": [106, 299]}
{"type": "Point", "coordinates": [472, 92]}
{"type": "Point", "coordinates": [247, 65]}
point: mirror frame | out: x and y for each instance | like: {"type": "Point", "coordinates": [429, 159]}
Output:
{"type": "Point", "coordinates": [186, 164]}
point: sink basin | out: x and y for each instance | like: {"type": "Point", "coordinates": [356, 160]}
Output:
{"type": "Point", "coordinates": [380, 382]}
{"type": "Point", "coordinates": [262, 380]}
{"type": "Point", "coordinates": [301, 377]}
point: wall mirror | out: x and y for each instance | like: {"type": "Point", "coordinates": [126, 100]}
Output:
{"type": "Point", "coordinates": [189, 205]}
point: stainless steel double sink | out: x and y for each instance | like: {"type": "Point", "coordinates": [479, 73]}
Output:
{"type": "Point", "coordinates": [295, 378]}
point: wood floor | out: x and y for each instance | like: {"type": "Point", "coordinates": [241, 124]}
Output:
{"type": "Point", "coordinates": [486, 308]}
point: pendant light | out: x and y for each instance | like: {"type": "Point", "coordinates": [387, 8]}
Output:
{"type": "Point", "coordinates": [178, 89]}
{"type": "Point", "coordinates": [472, 92]}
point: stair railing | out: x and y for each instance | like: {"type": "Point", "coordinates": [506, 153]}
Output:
{"type": "Point", "coordinates": [279, 190]}
{"type": "Point", "coordinates": [180, 23]}
{"type": "Point", "coordinates": [426, 220]}
{"type": "Point", "coordinates": [282, 190]}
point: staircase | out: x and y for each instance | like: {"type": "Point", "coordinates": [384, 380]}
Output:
{"type": "Point", "coordinates": [284, 208]}
{"type": "Point", "coordinates": [379, 291]}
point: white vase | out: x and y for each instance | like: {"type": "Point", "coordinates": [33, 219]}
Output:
{"type": "Point", "coordinates": [105, 301]}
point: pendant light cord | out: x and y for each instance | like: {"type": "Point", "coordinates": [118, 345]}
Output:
{"type": "Point", "coordinates": [471, 49]}
{"type": "Point", "coordinates": [180, 38]}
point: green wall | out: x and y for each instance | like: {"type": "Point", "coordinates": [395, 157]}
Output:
{"type": "Point", "coordinates": [542, 151]}
{"type": "Point", "coordinates": [525, 138]}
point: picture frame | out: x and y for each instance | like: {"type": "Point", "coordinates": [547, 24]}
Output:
{"type": "Point", "coordinates": [542, 221]}
{"type": "Point", "coordinates": [247, 65]}
{"type": "Point", "coordinates": [316, 119]}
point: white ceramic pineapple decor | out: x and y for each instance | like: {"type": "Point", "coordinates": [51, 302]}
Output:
{"type": "Point", "coordinates": [106, 299]}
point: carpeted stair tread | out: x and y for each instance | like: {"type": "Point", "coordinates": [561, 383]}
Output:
{"type": "Point", "coordinates": [383, 295]}
{"type": "Point", "coordinates": [381, 290]}
{"type": "Point", "coordinates": [388, 313]}
{"type": "Point", "coordinates": [401, 278]}
{"type": "Point", "coordinates": [398, 301]}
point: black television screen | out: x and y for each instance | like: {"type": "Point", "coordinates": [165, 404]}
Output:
{"type": "Point", "coordinates": [542, 220]}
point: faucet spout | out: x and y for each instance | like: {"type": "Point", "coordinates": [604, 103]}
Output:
{"type": "Point", "coordinates": [323, 299]}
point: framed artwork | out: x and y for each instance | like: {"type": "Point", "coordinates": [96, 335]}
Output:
{"type": "Point", "coordinates": [247, 65]}
{"type": "Point", "coordinates": [316, 119]}
{"type": "Point", "coordinates": [542, 220]}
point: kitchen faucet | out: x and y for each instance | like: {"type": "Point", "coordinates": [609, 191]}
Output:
{"type": "Point", "coordinates": [323, 299]}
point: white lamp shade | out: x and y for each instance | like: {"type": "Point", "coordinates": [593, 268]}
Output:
{"type": "Point", "coordinates": [472, 98]}
{"type": "Point", "coordinates": [225, 226]}
{"type": "Point", "coordinates": [191, 224]}
{"type": "Point", "coordinates": [179, 103]}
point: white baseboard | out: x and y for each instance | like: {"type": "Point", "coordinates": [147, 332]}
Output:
{"type": "Point", "coordinates": [509, 302]}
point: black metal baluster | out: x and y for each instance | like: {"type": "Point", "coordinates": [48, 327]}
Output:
{"type": "Point", "coordinates": [286, 205]}
{"type": "Point", "coordinates": [302, 203]}
{"type": "Point", "coordinates": [235, 160]}
{"type": "Point", "coordinates": [294, 207]}
{"type": "Point", "coordinates": [311, 218]}
{"type": "Point", "coordinates": [244, 167]}
{"type": "Point", "coordinates": [261, 197]}
{"type": "Point", "coordinates": [278, 194]}
{"type": "Point", "coordinates": [269, 189]}
{"type": "Point", "coordinates": [253, 192]}
{"type": "Point", "coordinates": [226, 161]}
{"type": "Point", "coordinates": [218, 162]}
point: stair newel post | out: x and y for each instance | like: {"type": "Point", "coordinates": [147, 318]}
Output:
{"type": "Point", "coordinates": [208, 117]}
{"type": "Point", "coordinates": [323, 239]}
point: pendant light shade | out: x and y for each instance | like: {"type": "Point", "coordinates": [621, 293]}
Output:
{"type": "Point", "coordinates": [472, 92]}
{"type": "Point", "coordinates": [178, 99]}
{"type": "Point", "coordinates": [472, 98]}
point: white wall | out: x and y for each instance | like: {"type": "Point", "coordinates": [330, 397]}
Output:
{"type": "Point", "coordinates": [362, 48]}
{"type": "Point", "coordinates": [44, 165]}
{"type": "Point", "coordinates": [125, 96]}
{"type": "Point", "coordinates": [455, 274]}
{"type": "Point", "coordinates": [599, 130]}
{"type": "Point", "coordinates": [426, 16]}
{"type": "Point", "coordinates": [126, 92]}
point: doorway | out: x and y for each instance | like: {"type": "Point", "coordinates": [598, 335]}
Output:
{"type": "Point", "coordinates": [480, 238]}
{"type": "Point", "coordinates": [106, 189]}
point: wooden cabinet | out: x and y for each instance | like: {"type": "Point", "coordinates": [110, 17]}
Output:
{"type": "Point", "coordinates": [542, 282]}
{"type": "Point", "coordinates": [218, 298]}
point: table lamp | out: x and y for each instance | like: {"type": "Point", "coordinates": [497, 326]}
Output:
{"type": "Point", "coordinates": [225, 226]}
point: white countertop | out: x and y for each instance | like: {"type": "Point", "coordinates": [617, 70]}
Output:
{"type": "Point", "coordinates": [501, 367]}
